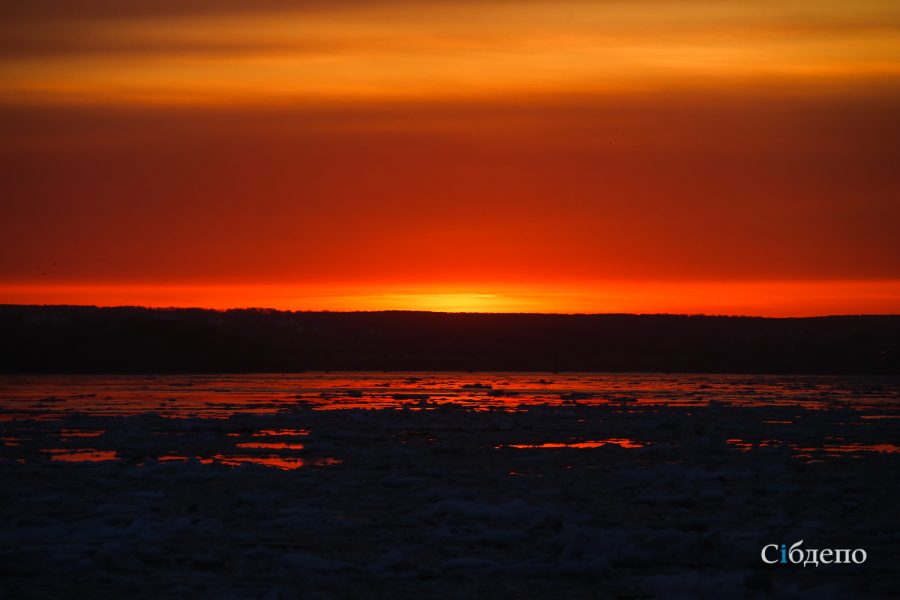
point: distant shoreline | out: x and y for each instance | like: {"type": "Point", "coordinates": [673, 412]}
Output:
{"type": "Point", "coordinates": [114, 340]}
{"type": "Point", "coordinates": [265, 309]}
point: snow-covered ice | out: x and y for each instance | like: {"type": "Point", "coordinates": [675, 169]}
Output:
{"type": "Point", "coordinates": [285, 487]}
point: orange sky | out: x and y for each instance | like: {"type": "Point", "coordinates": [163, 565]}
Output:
{"type": "Point", "coordinates": [591, 156]}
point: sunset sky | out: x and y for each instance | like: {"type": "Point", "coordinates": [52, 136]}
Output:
{"type": "Point", "coordinates": [715, 156]}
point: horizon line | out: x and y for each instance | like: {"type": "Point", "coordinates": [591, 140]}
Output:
{"type": "Point", "coordinates": [442, 312]}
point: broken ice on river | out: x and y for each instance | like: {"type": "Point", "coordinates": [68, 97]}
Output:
{"type": "Point", "coordinates": [444, 485]}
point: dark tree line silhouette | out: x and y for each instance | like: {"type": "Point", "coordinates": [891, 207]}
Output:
{"type": "Point", "coordinates": [85, 339]}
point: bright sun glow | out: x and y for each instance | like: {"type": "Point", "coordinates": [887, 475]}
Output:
{"type": "Point", "coordinates": [771, 298]}
{"type": "Point", "coordinates": [452, 302]}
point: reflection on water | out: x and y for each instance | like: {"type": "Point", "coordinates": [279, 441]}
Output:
{"type": "Point", "coordinates": [280, 462]}
{"type": "Point", "coordinates": [280, 432]}
{"type": "Point", "coordinates": [273, 445]}
{"type": "Point", "coordinates": [286, 463]}
{"type": "Point", "coordinates": [830, 447]}
{"type": "Point", "coordinates": [81, 455]}
{"type": "Point", "coordinates": [745, 446]}
{"type": "Point", "coordinates": [621, 442]}
{"type": "Point", "coordinates": [278, 420]}
{"type": "Point", "coordinates": [837, 449]}
{"type": "Point", "coordinates": [220, 396]}
{"type": "Point", "coordinates": [78, 433]}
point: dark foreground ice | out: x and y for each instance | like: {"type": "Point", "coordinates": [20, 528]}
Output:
{"type": "Point", "coordinates": [507, 486]}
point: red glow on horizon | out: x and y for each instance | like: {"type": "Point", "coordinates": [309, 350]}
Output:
{"type": "Point", "coordinates": [748, 298]}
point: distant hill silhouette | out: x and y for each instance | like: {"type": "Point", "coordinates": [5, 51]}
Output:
{"type": "Point", "coordinates": [80, 339]}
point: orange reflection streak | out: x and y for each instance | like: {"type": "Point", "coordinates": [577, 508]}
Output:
{"type": "Point", "coordinates": [79, 433]}
{"type": "Point", "coordinates": [850, 447]}
{"type": "Point", "coordinates": [621, 442]}
{"type": "Point", "coordinates": [805, 452]}
{"type": "Point", "coordinates": [272, 445]}
{"type": "Point", "coordinates": [280, 432]}
{"type": "Point", "coordinates": [85, 455]}
{"type": "Point", "coordinates": [279, 462]}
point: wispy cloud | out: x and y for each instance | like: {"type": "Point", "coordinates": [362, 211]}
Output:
{"type": "Point", "coordinates": [207, 52]}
